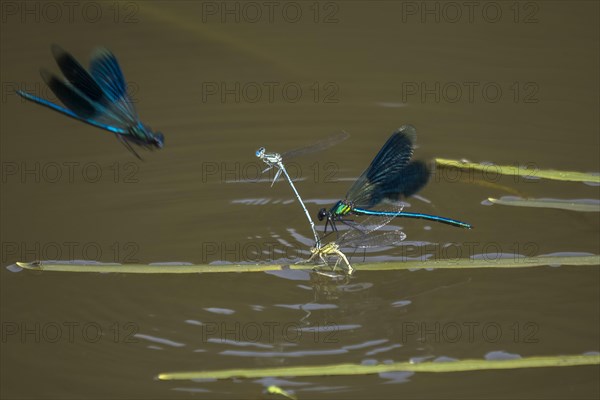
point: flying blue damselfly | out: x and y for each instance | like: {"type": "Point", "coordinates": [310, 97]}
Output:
{"type": "Point", "coordinates": [98, 98]}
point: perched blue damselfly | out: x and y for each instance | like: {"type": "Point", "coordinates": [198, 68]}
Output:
{"type": "Point", "coordinates": [390, 176]}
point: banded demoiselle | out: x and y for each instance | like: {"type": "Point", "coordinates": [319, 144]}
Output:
{"type": "Point", "coordinates": [390, 176]}
{"type": "Point", "coordinates": [98, 98]}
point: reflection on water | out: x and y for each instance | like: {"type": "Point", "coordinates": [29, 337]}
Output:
{"type": "Point", "coordinates": [155, 339]}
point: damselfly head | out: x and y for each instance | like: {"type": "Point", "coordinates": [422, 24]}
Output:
{"type": "Point", "coordinates": [159, 140]}
{"type": "Point", "coordinates": [260, 153]}
{"type": "Point", "coordinates": [146, 136]}
{"type": "Point", "coordinates": [323, 214]}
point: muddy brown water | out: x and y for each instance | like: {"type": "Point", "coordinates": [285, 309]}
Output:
{"type": "Point", "coordinates": [518, 87]}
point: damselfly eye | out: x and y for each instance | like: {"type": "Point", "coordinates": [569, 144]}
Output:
{"type": "Point", "coordinates": [322, 214]}
{"type": "Point", "coordinates": [260, 152]}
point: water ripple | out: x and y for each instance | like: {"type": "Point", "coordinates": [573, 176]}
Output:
{"type": "Point", "coordinates": [396, 376]}
{"type": "Point", "coordinates": [216, 310]}
{"type": "Point", "coordinates": [239, 343]}
{"type": "Point", "coordinates": [156, 339]}
{"type": "Point", "coordinates": [382, 349]}
{"type": "Point", "coordinates": [308, 307]}
{"type": "Point", "coordinates": [365, 344]}
{"type": "Point", "coordinates": [302, 353]}
{"type": "Point", "coordinates": [330, 328]}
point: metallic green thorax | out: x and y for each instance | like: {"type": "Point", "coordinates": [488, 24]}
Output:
{"type": "Point", "coordinates": [341, 208]}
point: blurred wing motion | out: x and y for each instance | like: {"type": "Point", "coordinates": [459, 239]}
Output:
{"type": "Point", "coordinates": [391, 174]}
{"type": "Point", "coordinates": [99, 99]}
{"type": "Point", "coordinates": [318, 146]}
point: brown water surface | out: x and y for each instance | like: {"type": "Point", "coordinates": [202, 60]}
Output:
{"type": "Point", "coordinates": [519, 91]}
